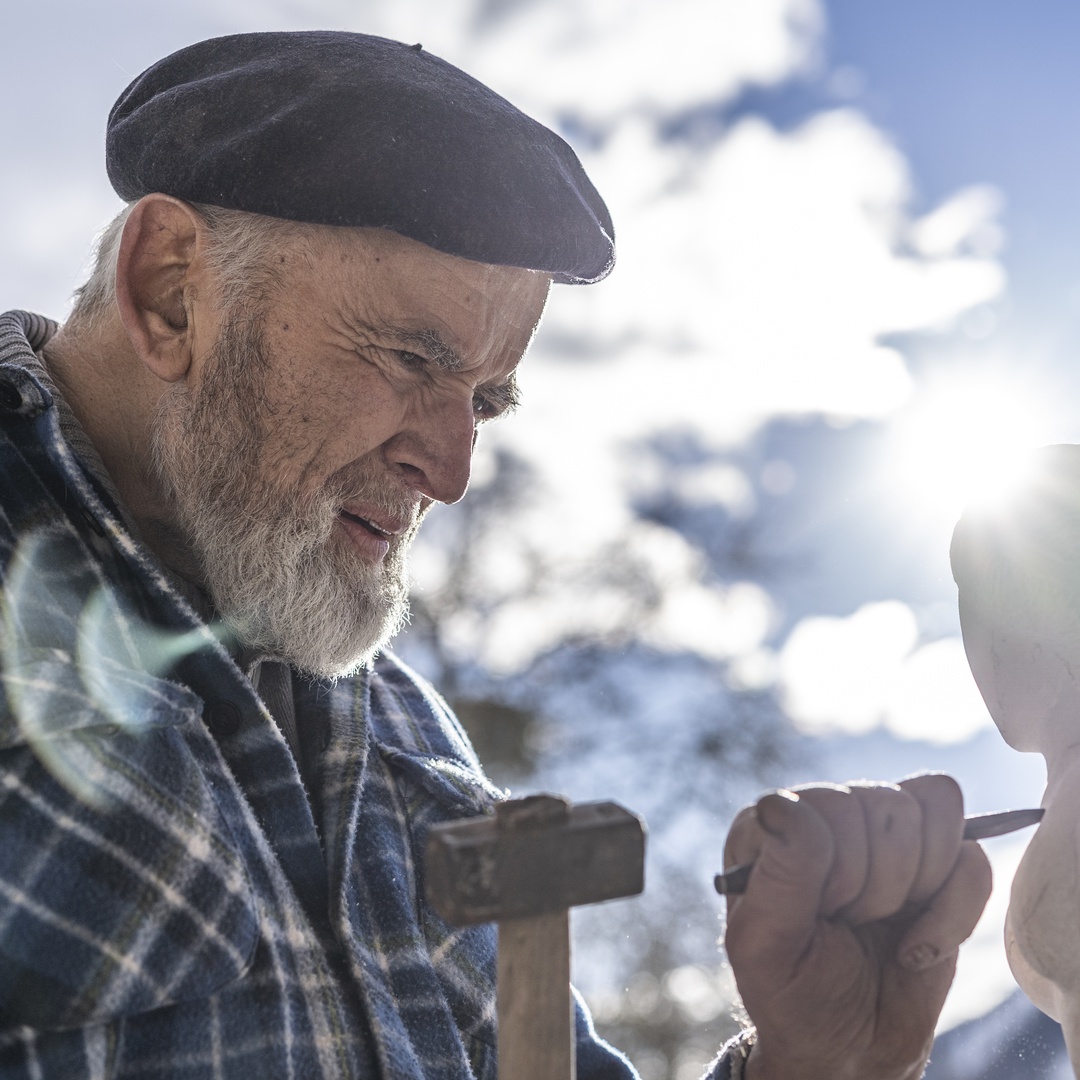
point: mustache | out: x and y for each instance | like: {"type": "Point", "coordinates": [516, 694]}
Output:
{"type": "Point", "coordinates": [355, 483]}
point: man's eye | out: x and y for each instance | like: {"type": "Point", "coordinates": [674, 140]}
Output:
{"type": "Point", "coordinates": [489, 405]}
{"type": "Point", "coordinates": [492, 401]}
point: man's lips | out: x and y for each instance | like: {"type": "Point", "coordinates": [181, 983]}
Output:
{"type": "Point", "coordinates": [367, 524]}
{"type": "Point", "coordinates": [380, 522]}
{"type": "Point", "coordinates": [372, 531]}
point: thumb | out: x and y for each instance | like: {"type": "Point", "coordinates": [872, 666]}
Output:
{"type": "Point", "coordinates": [782, 901]}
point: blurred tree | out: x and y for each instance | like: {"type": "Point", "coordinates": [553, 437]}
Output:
{"type": "Point", "coordinates": [606, 702]}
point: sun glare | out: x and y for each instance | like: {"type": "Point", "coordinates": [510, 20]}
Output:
{"type": "Point", "coordinates": [968, 440]}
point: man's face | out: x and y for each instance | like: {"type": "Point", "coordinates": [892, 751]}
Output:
{"type": "Point", "coordinates": [303, 449]}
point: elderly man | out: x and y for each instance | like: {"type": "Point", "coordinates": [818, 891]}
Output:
{"type": "Point", "coordinates": [216, 781]}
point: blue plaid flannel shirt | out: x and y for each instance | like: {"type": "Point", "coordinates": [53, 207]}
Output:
{"type": "Point", "coordinates": [173, 904]}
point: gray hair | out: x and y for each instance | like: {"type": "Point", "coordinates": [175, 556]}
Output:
{"type": "Point", "coordinates": [241, 257]}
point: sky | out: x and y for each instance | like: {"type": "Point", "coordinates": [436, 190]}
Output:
{"type": "Point", "coordinates": [847, 272]}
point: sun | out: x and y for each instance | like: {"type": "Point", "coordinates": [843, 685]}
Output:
{"type": "Point", "coordinates": [967, 438]}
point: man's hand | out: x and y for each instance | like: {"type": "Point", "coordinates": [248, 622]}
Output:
{"type": "Point", "coordinates": [844, 943]}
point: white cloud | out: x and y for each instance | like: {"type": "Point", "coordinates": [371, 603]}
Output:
{"type": "Point", "coordinates": [717, 622]}
{"type": "Point", "coordinates": [837, 674]}
{"type": "Point", "coordinates": [607, 57]}
{"type": "Point", "coordinates": [769, 266]}
{"type": "Point", "coordinates": [857, 673]}
{"type": "Point", "coordinates": [596, 58]}
{"type": "Point", "coordinates": [966, 220]}
{"type": "Point", "coordinates": [47, 229]}
{"type": "Point", "coordinates": [647, 585]}
{"type": "Point", "coordinates": [39, 229]}
{"type": "Point", "coordinates": [983, 979]}
{"type": "Point", "coordinates": [936, 698]}
{"type": "Point", "coordinates": [714, 483]}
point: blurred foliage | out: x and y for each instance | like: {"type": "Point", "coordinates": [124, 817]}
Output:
{"type": "Point", "coordinates": [504, 737]}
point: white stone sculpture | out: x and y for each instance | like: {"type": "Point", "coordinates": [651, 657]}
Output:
{"type": "Point", "coordinates": [1017, 567]}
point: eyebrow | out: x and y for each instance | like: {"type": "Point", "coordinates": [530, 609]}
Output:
{"type": "Point", "coordinates": [431, 341]}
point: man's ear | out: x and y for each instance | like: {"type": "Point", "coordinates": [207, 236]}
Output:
{"type": "Point", "coordinates": [155, 290]}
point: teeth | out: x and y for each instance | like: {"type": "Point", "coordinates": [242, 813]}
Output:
{"type": "Point", "coordinates": [370, 524]}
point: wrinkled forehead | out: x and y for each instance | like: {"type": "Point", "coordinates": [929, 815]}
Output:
{"type": "Point", "coordinates": [391, 252]}
{"type": "Point", "coordinates": [466, 310]}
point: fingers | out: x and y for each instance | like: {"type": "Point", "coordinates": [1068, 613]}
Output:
{"type": "Point", "coordinates": [889, 845]}
{"type": "Point", "coordinates": [851, 850]}
{"type": "Point", "coordinates": [877, 831]}
{"type": "Point", "coordinates": [942, 805]}
{"type": "Point", "coordinates": [744, 838]}
{"type": "Point", "coordinates": [952, 913]}
{"type": "Point", "coordinates": [894, 840]}
{"type": "Point", "coordinates": [791, 847]}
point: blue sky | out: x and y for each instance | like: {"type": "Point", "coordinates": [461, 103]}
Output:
{"type": "Point", "coordinates": [976, 90]}
{"type": "Point", "coordinates": [987, 92]}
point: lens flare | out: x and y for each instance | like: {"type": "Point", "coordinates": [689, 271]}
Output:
{"type": "Point", "coordinates": [968, 440]}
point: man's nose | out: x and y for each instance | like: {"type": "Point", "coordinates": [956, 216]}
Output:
{"type": "Point", "coordinates": [434, 453]}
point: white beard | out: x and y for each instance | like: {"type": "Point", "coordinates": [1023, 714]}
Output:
{"type": "Point", "coordinates": [282, 576]}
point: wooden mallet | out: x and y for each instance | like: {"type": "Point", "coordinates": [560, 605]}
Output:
{"type": "Point", "coordinates": [524, 869]}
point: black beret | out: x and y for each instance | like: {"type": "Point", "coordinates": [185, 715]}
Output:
{"type": "Point", "coordinates": [347, 129]}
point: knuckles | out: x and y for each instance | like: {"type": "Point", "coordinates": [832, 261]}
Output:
{"type": "Point", "coordinates": [888, 844]}
{"type": "Point", "coordinates": [936, 793]}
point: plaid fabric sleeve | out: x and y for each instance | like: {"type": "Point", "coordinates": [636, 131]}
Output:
{"type": "Point", "coordinates": [121, 889]}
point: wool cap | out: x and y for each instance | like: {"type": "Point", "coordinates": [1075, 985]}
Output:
{"type": "Point", "coordinates": [336, 128]}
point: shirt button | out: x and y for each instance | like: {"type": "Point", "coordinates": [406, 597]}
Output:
{"type": "Point", "coordinates": [224, 718]}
